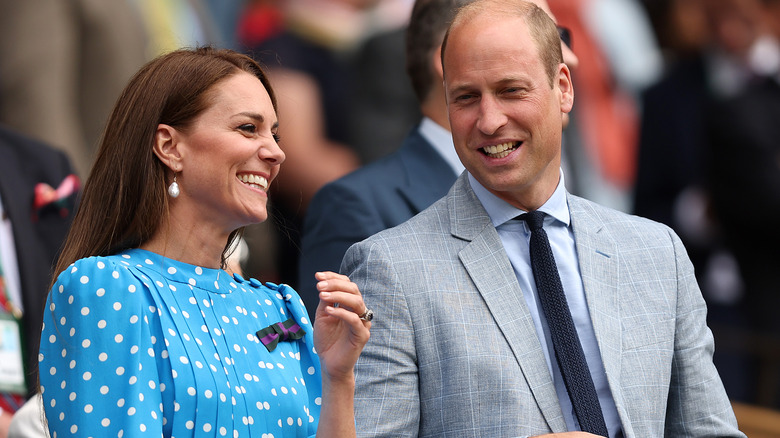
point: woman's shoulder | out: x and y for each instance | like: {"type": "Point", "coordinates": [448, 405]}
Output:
{"type": "Point", "coordinates": [96, 278]}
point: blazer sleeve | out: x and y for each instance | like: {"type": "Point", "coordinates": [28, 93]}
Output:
{"type": "Point", "coordinates": [387, 402]}
{"type": "Point", "coordinates": [698, 405]}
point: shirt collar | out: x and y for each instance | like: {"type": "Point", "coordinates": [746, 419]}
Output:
{"type": "Point", "coordinates": [501, 211]}
{"type": "Point", "coordinates": [441, 140]}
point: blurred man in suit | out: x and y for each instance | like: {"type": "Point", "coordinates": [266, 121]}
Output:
{"type": "Point", "coordinates": [37, 199]}
{"type": "Point", "coordinates": [467, 338]}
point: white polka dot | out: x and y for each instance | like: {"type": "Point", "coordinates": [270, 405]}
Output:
{"type": "Point", "coordinates": [115, 274]}
{"type": "Point", "coordinates": [105, 422]}
{"type": "Point", "coordinates": [117, 305]}
{"type": "Point", "coordinates": [87, 376]}
{"type": "Point", "coordinates": [207, 427]}
{"type": "Point", "coordinates": [100, 292]}
{"type": "Point", "coordinates": [191, 391]}
{"type": "Point", "coordinates": [132, 380]}
{"type": "Point", "coordinates": [74, 429]}
{"type": "Point", "coordinates": [72, 396]}
{"type": "Point", "coordinates": [198, 270]}
{"type": "Point", "coordinates": [102, 324]}
{"type": "Point", "coordinates": [120, 402]}
{"type": "Point", "coordinates": [86, 343]}
{"type": "Point", "coordinates": [87, 408]}
{"type": "Point", "coordinates": [104, 389]}
{"type": "Point", "coordinates": [171, 270]}
{"type": "Point", "coordinates": [85, 311]}
{"type": "Point", "coordinates": [142, 427]}
{"type": "Point", "coordinates": [310, 371]}
{"type": "Point", "coordinates": [133, 319]}
{"type": "Point", "coordinates": [84, 279]}
{"type": "Point", "coordinates": [131, 411]}
{"type": "Point", "coordinates": [190, 424]}
{"type": "Point", "coordinates": [101, 265]}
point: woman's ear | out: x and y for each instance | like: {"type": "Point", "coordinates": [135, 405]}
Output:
{"type": "Point", "coordinates": [166, 146]}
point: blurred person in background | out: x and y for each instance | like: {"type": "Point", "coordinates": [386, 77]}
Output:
{"type": "Point", "coordinates": [38, 195]}
{"type": "Point", "coordinates": [713, 50]}
{"type": "Point", "coordinates": [742, 173]}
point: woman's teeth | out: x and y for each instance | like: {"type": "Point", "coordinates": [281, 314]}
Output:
{"type": "Point", "coordinates": [500, 150]}
{"type": "Point", "coordinates": [255, 181]}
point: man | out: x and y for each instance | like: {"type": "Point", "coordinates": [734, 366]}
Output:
{"type": "Point", "coordinates": [392, 190]}
{"type": "Point", "coordinates": [460, 344]}
{"type": "Point", "coordinates": [35, 220]}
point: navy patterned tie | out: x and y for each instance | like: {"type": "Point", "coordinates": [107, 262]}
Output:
{"type": "Point", "coordinates": [566, 343]}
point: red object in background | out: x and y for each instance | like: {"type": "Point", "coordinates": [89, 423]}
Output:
{"type": "Point", "coordinates": [260, 22]}
{"type": "Point", "coordinates": [608, 116]}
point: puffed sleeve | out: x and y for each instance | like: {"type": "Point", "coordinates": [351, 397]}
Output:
{"type": "Point", "coordinates": [100, 359]}
{"type": "Point", "coordinates": [310, 363]}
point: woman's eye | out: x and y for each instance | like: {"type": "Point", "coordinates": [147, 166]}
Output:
{"type": "Point", "coordinates": [276, 137]}
{"type": "Point", "coordinates": [248, 127]}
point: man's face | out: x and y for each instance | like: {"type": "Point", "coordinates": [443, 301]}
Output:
{"type": "Point", "coordinates": [504, 115]}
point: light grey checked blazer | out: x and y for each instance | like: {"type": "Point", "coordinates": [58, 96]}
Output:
{"type": "Point", "coordinates": [453, 351]}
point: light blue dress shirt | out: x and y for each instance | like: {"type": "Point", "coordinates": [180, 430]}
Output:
{"type": "Point", "coordinates": [441, 140]}
{"type": "Point", "coordinates": [515, 236]}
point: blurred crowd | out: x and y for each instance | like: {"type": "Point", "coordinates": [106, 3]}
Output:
{"type": "Point", "coordinates": [677, 118]}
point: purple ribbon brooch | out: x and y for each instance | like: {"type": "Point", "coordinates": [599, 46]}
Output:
{"type": "Point", "coordinates": [281, 331]}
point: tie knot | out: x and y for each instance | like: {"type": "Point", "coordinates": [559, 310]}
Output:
{"type": "Point", "coordinates": [534, 219]}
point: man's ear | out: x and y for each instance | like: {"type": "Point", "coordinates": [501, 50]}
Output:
{"type": "Point", "coordinates": [566, 87]}
{"type": "Point", "coordinates": [166, 146]}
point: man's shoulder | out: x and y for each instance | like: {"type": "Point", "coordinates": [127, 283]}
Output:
{"type": "Point", "coordinates": [431, 221]}
{"type": "Point", "coordinates": [612, 220]}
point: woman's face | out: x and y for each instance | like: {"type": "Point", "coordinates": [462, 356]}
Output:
{"type": "Point", "coordinates": [229, 155]}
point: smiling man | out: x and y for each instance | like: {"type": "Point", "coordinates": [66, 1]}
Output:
{"type": "Point", "coordinates": [512, 308]}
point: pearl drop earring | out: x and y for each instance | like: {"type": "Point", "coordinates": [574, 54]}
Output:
{"type": "Point", "coordinates": [173, 189]}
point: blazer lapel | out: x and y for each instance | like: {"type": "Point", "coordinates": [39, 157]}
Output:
{"type": "Point", "coordinates": [425, 168]}
{"type": "Point", "coordinates": [488, 266]}
{"type": "Point", "coordinates": [599, 263]}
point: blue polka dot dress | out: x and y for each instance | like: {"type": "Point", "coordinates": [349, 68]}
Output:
{"type": "Point", "coordinates": [139, 345]}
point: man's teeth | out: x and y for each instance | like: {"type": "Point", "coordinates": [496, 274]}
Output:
{"type": "Point", "coordinates": [254, 181]}
{"type": "Point", "coordinates": [500, 150]}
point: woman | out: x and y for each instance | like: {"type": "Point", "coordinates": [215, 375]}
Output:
{"type": "Point", "coordinates": [145, 333]}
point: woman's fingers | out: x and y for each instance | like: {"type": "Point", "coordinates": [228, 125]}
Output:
{"type": "Point", "coordinates": [339, 291]}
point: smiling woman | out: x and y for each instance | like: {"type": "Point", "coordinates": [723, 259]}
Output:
{"type": "Point", "coordinates": [143, 299]}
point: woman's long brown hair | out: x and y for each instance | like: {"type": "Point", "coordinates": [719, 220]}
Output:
{"type": "Point", "coordinates": [124, 199]}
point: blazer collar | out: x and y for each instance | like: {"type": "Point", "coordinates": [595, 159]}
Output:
{"type": "Point", "coordinates": [488, 266]}
{"type": "Point", "coordinates": [423, 168]}
{"type": "Point", "coordinates": [599, 261]}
